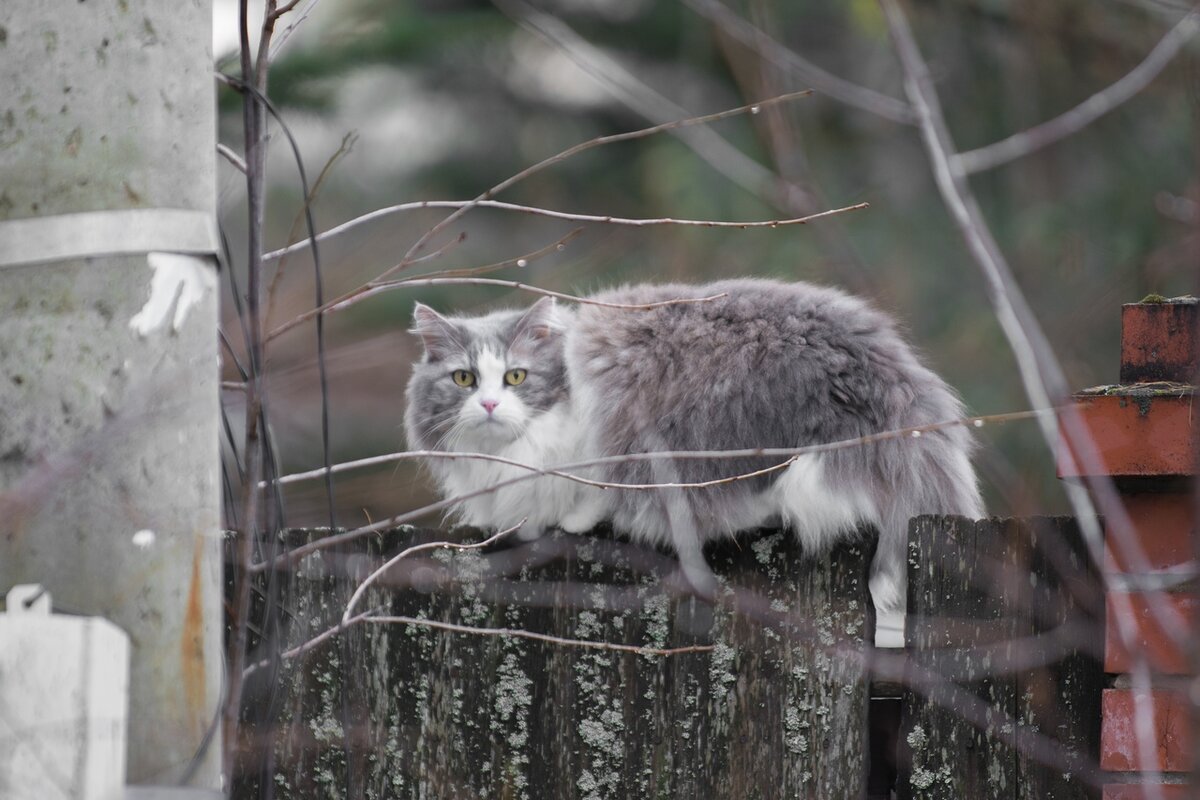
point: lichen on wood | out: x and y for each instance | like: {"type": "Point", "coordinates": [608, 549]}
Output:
{"type": "Point", "coordinates": [979, 592]}
{"type": "Point", "coordinates": [776, 708]}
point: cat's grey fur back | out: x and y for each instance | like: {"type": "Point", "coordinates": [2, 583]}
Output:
{"type": "Point", "coordinates": [768, 365]}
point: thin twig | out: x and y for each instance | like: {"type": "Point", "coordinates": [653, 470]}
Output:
{"type": "Point", "coordinates": [599, 141]}
{"type": "Point", "coordinates": [624, 83]}
{"type": "Point", "coordinates": [410, 256]}
{"type": "Point", "coordinates": [1040, 373]}
{"type": "Point", "coordinates": [362, 292]}
{"type": "Point", "coordinates": [1071, 122]}
{"type": "Point", "coordinates": [822, 81]}
{"type": "Point", "coordinates": [372, 289]}
{"type": "Point", "coordinates": [304, 244]}
{"type": "Point", "coordinates": [414, 455]}
{"type": "Point", "coordinates": [564, 471]}
{"type": "Point", "coordinates": [319, 281]}
{"type": "Point", "coordinates": [226, 152]}
{"type": "Point", "coordinates": [524, 287]}
{"type": "Point", "coordinates": [543, 637]}
{"type": "Point", "coordinates": [229, 348]}
{"type": "Point", "coordinates": [301, 649]}
{"type": "Point", "coordinates": [519, 261]}
{"type": "Point", "coordinates": [420, 548]}
{"type": "Point", "coordinates": [276, 13]}
{"type": "Point", "coordinates": [560, 472]}
{"type": "Point", "coordinates": [286, 33]}
{"type": "Point", "coordinates": [252, 120]}
{"type": "Point", "coordinates": [603, 219]}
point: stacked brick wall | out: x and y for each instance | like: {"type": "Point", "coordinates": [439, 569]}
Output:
{"type": "Point", "coordinates": [1142, 430]}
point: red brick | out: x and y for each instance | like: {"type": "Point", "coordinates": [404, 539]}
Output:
{"type": "Point", "coordinates": [1142, 791]}
{"type": "Point", "coordinates": [1150, 636]}
{"type": "Point", "coordinates": [1158, 342]}
{"type": "Point", "coordinates": [1135, 436]}
{"type": "Point", "coordinates": [1162, 523]}
{"type": "Point", "coordinates": [1118, 734]}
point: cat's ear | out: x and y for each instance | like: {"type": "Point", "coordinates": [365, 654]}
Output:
{"type": "Point", "coordinates": [439, 335]}
{"type": "Point", "coordinates": [542, 321]}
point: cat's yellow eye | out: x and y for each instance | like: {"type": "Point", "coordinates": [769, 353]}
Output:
{"type": "Point", "coordinates": [514, 376]}
{"type": "Point", "coordinates": [464, 378]}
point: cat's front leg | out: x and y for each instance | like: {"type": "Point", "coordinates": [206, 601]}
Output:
{"type": "Point", "coordinates": [590, 510]}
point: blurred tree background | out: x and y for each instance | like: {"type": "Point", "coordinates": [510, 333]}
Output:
{"type": "Point", "coordinates": [445, 98]}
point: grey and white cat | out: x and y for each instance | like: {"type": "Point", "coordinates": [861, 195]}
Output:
{"type": "Point", "coordinates": [769, 364]}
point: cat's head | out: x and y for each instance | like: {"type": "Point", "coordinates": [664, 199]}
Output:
{"type": "Point", "coordinates": [482, 380]}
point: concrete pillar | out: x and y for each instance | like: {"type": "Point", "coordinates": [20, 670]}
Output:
{"type": "Point", "coordinates": [109, 471]}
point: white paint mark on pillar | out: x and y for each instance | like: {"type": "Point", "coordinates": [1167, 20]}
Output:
{"type": "Point", "coordinates": [180, 282]}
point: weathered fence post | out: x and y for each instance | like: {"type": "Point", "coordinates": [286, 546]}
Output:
{"type": "Point", "coordinates": [1142, 429]}
{"type": "Point", "coordinates": [984, 606]}
{"type": "Point", "coordinates": [776, 708]}
{"type": "Point", "coordinates": [1003, 698]}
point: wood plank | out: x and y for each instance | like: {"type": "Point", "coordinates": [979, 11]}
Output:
{"type": "Point", "coordinates": [778, 708]}
{"type": "Point", "coordinates": [980, 593]}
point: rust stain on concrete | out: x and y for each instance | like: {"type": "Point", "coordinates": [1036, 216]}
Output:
{"type": "Point", "coordinates": [192, 647]}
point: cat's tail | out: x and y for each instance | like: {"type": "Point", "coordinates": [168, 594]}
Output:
{"type": "Point", "coordinates": [929, 474]}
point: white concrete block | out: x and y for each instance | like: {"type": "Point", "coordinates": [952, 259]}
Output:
{"type": "Point", "coordinates": [64, 689]}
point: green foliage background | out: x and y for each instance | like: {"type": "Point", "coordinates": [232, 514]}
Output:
{"type": "Point", "coordinates": [448, 98]}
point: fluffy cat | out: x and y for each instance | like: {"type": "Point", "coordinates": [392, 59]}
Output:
{"type": "Point", "coordinates": [769, 364]}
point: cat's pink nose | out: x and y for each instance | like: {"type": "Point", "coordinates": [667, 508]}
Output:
{"type": "Point", "coordinates": [490, 405]}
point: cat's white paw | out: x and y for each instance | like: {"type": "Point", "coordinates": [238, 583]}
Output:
{"type": "Point", "coordinates": [581, 520]}
{"type": "Point", "coordinates": [528, 533]}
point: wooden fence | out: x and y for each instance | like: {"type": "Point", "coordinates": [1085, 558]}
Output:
{"type": "Point", "coordinates": [1004, 630]}
{"type": "Point", "coordinates": [776, 707]}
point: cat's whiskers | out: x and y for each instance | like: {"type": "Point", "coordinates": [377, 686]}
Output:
{"type": "Point", "coordinates": [453, 435]}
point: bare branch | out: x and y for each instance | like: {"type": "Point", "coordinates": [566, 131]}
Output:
{"type": "Point", "coordinates": [311, 643]}
{"type": "Point", "coordinates": [524, 287]}
{"type": "Point", "coordinates": [824, 82]}
{"type": "Point", "coordinates": [411, 455]}
{"type": "Point", "coordinates": [371, 287]}
{"type": "Point", "coordinates": [579, 148]}
{"type": "Point", "coordinates": [419, 548]}
{"type": "Point", "coordinates": [564, 215]}
{"type": "Point", "coordinates": [349, 618]}
{"type": "Point", "coordinates": [286, 33]}
{"type": "Point", "coordinates": [376, 287]}
{"type": "Point", "coordinates": [1071, 122]}
{"type": "Point", "coordinates": [630, 89]}
{"type": "Point", "coordinates": [563, 471]}
{"type": "Point", "coordinates": [520, 261]}
{"type": "Point", "coordinates": [285, 8]}
{"type": "Point", "coordinates": [1039, 369]}
{"type": "Point", "coordinates": [226, 152]}
{"type": "Point", "coordinates": [542, 637]}
{"type": "Point", "coordinates": [254, 125]}
{"type": "Point", "coordinates": [410, 256]}
{"type": "Point", "coordinates": [442, 249]}
{"type": "Point", "coordinates": [1040, 372]}
{"type": "Point", "coordinates": [343, 149]}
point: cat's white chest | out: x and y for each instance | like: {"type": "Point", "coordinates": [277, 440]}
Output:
{"type": "Point", "coordinates": [552, 439]}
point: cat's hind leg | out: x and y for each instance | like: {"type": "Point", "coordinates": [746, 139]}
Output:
{"type": "Point", "coordinates": [819, 512]}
